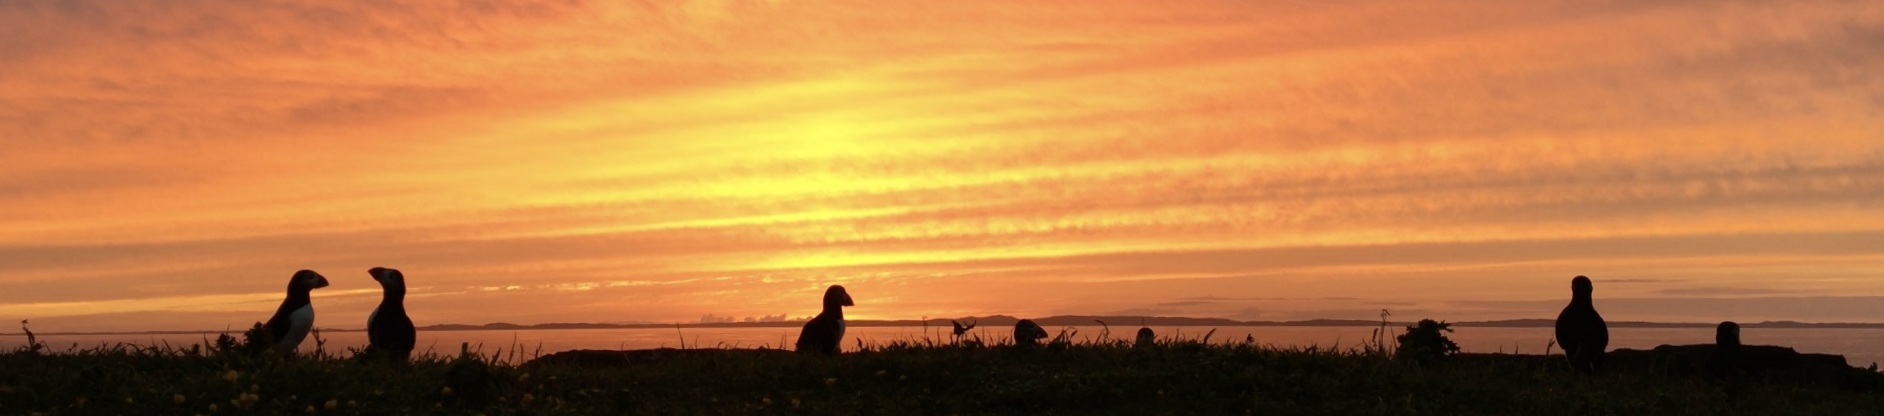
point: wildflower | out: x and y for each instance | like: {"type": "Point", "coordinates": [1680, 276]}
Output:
{"type": "Point", "coordinates": [767, 401]}
{"type": "Point", "coordinates": [352, 404]}
{"type": "Point", "coordinates": [177, 398]}
{"type": "Point", "coordinates": [830, 381]}
{"type": "Point", "coordinates": [231, 375]}
{"type": "Point", "coordinates": [310, 409]}
{"type": "Point", "coordinates": [524, 377]}
{"type": "Point", "coordinates": [212, 408]}
{"type": "Point", "coordinates": [527, 397]}
{"type": "Point", "coordinates": [333, 404]}
{"type": "Point", "coordinates": [795, 403]}
{"type": "Point", "coordinates": [880, 373]}
{"type": "Point", "coordinates": [246, 400]}
{"type": "Point", "coordinates": [446, 391]}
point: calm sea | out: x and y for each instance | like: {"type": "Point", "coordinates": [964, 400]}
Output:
{"type": "Point", "coordinates": [1860, 347]}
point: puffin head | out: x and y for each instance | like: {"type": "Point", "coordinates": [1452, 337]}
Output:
{"type": "Point", "coordinates": [306, 280]}
{"type": "Point", "coordinates": [1581, 286]}
{"type": "Point", "coordinates": [836, 296]}
{"type": "Point", "coordinates": [390, 279]}
{"type": "Point", "coordinates": [1728, 333]}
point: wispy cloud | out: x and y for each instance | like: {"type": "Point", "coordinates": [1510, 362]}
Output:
{"type": "Point", "coordinates": [1225, 158]}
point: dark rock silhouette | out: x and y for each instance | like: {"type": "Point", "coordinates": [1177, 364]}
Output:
{"type": "Point", "coordinates": [825, 333]}
{"type": "Point", "coordinates": [1146, 338]}
{"type": "Point", "coordinates": [295, 317]}
{"type": "Point", "coordinates": [389, 332]}
{"type": "Point", "coordinates": [1580, 330]}
{"type": "Point", "coordinates": [1764, 363]}
{"type": "Point", "coordinates": [1770, 364]}
{"type": "Point", "coordinates": [1027, 333]}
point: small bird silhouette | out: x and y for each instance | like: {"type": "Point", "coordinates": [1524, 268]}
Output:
{"type": "Point", "coordinates": [960, 329]}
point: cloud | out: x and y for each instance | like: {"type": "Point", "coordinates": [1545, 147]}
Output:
{"type": "Point", "coordinates": [743, 153]}
{"type": "Point", "coordinates": [1723, 291]}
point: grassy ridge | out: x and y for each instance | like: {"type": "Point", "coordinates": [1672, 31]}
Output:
{"type": "Point", "coordinates": [1177, 377]}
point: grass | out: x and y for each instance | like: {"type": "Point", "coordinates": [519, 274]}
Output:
{"type": "Point", "coordinates": [905, 377]}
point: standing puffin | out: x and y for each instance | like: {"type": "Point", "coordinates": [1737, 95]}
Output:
{"type": "Point", "coordinates": [1726, 358]}
{"type": "Point", "coordinates": [1028, 334]}
{"type": "Point", "coordinates": [389, 331]}
{"type": "Point", "coordinates": [296, 315]}
{"type": "Point", "coordinates": [824, 333]}
{"type": "Point", "coordinates": [1580, 330]}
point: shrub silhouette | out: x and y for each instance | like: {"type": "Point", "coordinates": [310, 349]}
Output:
{"type": "Point", "coordinates": [1426, 342]}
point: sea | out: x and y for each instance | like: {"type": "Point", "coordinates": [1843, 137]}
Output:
{"type": "Point", "coordinates": [1861, 347]}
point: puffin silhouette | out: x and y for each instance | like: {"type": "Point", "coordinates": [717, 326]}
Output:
{"type": "Point", "coordinates": [1027, 333]}
{"type": "Point", "coordinates": [1580, 330]}
{"type": "Point", "coordinates": [825, 333]}
{"type": "Point", "coordinates": [389, 332]}
{"type": "Point", "coordinates": [1727, 352]}
{"type": "Point", "coordinates": [295, 317]}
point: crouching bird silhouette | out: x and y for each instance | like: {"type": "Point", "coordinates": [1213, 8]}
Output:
{"type": "Point", "coordinates": [389, 332]}
{"type": "Point", "coordinates": [825, 333]}
{"type": "Point", "coordinates": [1580, 330]}
{"type": "Point", "coordinates": [1028, 334]}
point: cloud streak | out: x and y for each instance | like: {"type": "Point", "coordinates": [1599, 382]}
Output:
{"type": "Point", "coordinates": [746, 153]}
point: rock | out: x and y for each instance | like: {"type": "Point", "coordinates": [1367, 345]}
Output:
{"type": "Point", "coordinates": [1771, 364]}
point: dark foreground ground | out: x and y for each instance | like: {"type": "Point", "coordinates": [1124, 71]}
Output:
{"type": "Point", "coordinates": [1098, 378]}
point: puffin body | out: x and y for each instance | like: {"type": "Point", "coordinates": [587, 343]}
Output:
{"type": "Point", "coordinates": [1028, 333]}
{"type": "Point", "coordinates": [1147, 339]}
{"type": "Point", "coordinates": [1580, 330]}
{"type": "Point", "coordinates": [389, 331]}
{"type": "Point", "coordinates": [1726, 358]}
{"type": "Point", "coordinates": [825, 333]}
{"type": "Point", "coordinates": [295, 317]}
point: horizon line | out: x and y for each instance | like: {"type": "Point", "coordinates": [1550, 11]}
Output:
{"type": "Point", "coordinates": [1222, 322]}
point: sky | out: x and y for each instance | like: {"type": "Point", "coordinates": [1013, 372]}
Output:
{"type": "Point", "coordinates": [169, 164]}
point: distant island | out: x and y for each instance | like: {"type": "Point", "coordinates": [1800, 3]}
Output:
{"type": "Point", "coordinates": [1051, 321]}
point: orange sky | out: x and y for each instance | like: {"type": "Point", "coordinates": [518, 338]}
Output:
{"type": "Point", "coordinates": [167, 165]}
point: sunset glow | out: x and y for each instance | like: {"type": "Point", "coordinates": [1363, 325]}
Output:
{"type": "Point", "coordinates": [167, 165]}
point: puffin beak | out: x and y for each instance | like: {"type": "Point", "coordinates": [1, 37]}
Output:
{"type": "Point", "coordinates": [320, 282]}
{"type": "Point", "coordinates": [375, 272]}
{"type": "Point", "coordinates": [847, 301]}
